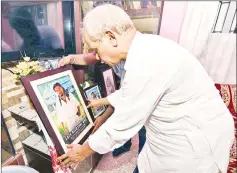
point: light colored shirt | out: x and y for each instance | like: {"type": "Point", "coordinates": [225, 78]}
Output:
{"type": "Point", "coordinates": [188, 127]}
{"type": "Point", "coordinates": [67, 112]}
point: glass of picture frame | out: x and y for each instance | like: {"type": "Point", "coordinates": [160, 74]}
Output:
{"type": "Point", "coordinates": [108, 81]}
{"type": "Point", "coordinates": [61, 105]}
{"type": "Point", "coordinates": [93, 92]}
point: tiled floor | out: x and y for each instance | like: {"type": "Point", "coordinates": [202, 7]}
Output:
{"type": "Point", "coordinates": [124, 163]}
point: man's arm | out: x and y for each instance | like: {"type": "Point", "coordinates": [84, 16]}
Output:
{"type": "Point", "coordinates": [79, 59]}
{"type": "Point", "coordinates": [98, 102]}
{"type": "Point", "coordinates": [86, 149]}
{"type": "Point", "coordinates": [101, 119]}
{"type": "Point", "coordinates": [109, 111]}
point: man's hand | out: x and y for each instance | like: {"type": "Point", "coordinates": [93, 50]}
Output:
{"type": "Point", "coordinates": [98, 102]}
{"type": "Point", "coordinates": [76, 154]}
{"type": "Point", "coordinates": [73, 156]}
{"type": "Point", "coordinates": [98, 122]}
{"type": "Point", "coordinates": [66, 60]}
{"type": "Point", "coordinates": [94, 103]}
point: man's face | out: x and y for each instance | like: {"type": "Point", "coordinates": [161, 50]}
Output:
{"type": "Point", "coordinates": [93, 95]}
{"type": "Point", "coordinates": [59, 91]}
{"type": "Point", "coordinates": [107, 50]}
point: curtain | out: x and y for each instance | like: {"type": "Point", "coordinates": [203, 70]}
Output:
{"type": "Point", "coordinates": [55, 18]}
{"type": "Point", "coordinates": [219, 57]}
{"type": "Point", "coordinates": [197, 25]}
{"type": "Point", "coordinates": [216, 51]}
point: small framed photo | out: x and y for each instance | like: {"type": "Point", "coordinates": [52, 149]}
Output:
{"type": "Point", "coordinates": [109, 82]}
{"type": "Point", "coordinates": [61, 105]}
{"type": "Point", "coordinates": [93, 92]}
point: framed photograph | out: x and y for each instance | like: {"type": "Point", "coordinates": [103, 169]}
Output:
{"type": "Point", "coordinates": [61, 105]}
{"type": "Point", "coordinates": [93, 92]}
{"type": "Point", "coordinates": [109, 82]}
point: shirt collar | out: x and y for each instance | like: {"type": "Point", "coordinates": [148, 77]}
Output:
{"type": "Point", "coordinates": [132, 52]}
{"type": "Point", "coordinates": [63, 102]}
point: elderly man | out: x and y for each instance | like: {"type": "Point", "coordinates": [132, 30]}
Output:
{"type": "Point", "coordinates": [165, 88]}
{"type": "Point", "coordinates": [90, 58]}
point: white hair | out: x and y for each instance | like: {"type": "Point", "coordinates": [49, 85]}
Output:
{"type": "Point", "coordinates": [106, 17]}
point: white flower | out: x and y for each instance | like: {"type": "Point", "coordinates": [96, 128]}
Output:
{"type": "Point", "coordinates": [26, 67]}
{"type": "Point", "coordinates": [86, 84]}
{"type": "Point", "coordinates": [26, 58]}
{"type": "Point", "coordinates": [22, 65]}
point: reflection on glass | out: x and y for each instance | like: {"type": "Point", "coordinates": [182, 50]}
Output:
{"type": "Point", "coordinates": [31, 26]}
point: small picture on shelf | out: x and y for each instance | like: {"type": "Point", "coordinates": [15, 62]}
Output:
{"type": "Point", "coordinates": [109, 81]}
{"type": "Point", "coordinates": [91, 93]}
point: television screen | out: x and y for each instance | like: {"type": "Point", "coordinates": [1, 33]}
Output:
{"type": "Point", "coordinates": [36, 26]}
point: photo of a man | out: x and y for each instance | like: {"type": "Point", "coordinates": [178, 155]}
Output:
{"type": "Point", "coordinates": [93, 93]}
{"type": "Point", "coordinates": [93, 96]}
{"type": "Point", "coordinates": [67, 107]}
{"type": "Point", "coordinates": [64, 107]}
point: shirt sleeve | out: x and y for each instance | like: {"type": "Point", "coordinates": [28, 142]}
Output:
{"type": "Point", "coordinates": [113, 98]}
{"type": "Point", "coordinates": [90, 58]}
{"type": "Point", "coordinates": [133, 102]}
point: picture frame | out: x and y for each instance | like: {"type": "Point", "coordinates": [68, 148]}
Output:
{"type": "Point", "coordinates": [54, 94]}
{"type": "Point", "coordinates": [93, 92]}
{"type": "Point", "coordinates": [108, 80]}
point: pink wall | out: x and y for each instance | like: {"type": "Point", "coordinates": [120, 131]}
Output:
{"type": "Point", "coordinates": [172, 19]}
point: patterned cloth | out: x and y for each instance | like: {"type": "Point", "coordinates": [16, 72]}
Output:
{"type": "Point", "coordinates": [53, 153]}
{"type": "Point", "coordinates": [228, 94]}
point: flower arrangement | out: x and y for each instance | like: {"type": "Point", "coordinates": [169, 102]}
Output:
{"type": "Point", "coordinates": [85, 85]}
{"type": "Point", "coordinates": [26, 67]}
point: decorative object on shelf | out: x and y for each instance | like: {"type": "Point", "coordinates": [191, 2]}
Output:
{"type": "Point", "coordinates": [85, 85]}
{"type": "Point", "coordinates": [50, 63]}
{"type": "Point", "coordinates": [93, 92]}
{"type": "Point", "coordinates": [61, 105]}
{"type": "Point", "coordinates": [108, 77]}
{"type": "Point", "coordinates": [24, 68]}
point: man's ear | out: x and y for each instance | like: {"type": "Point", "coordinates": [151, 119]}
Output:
{"type": "Point", "coordinates": [112, 38]}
